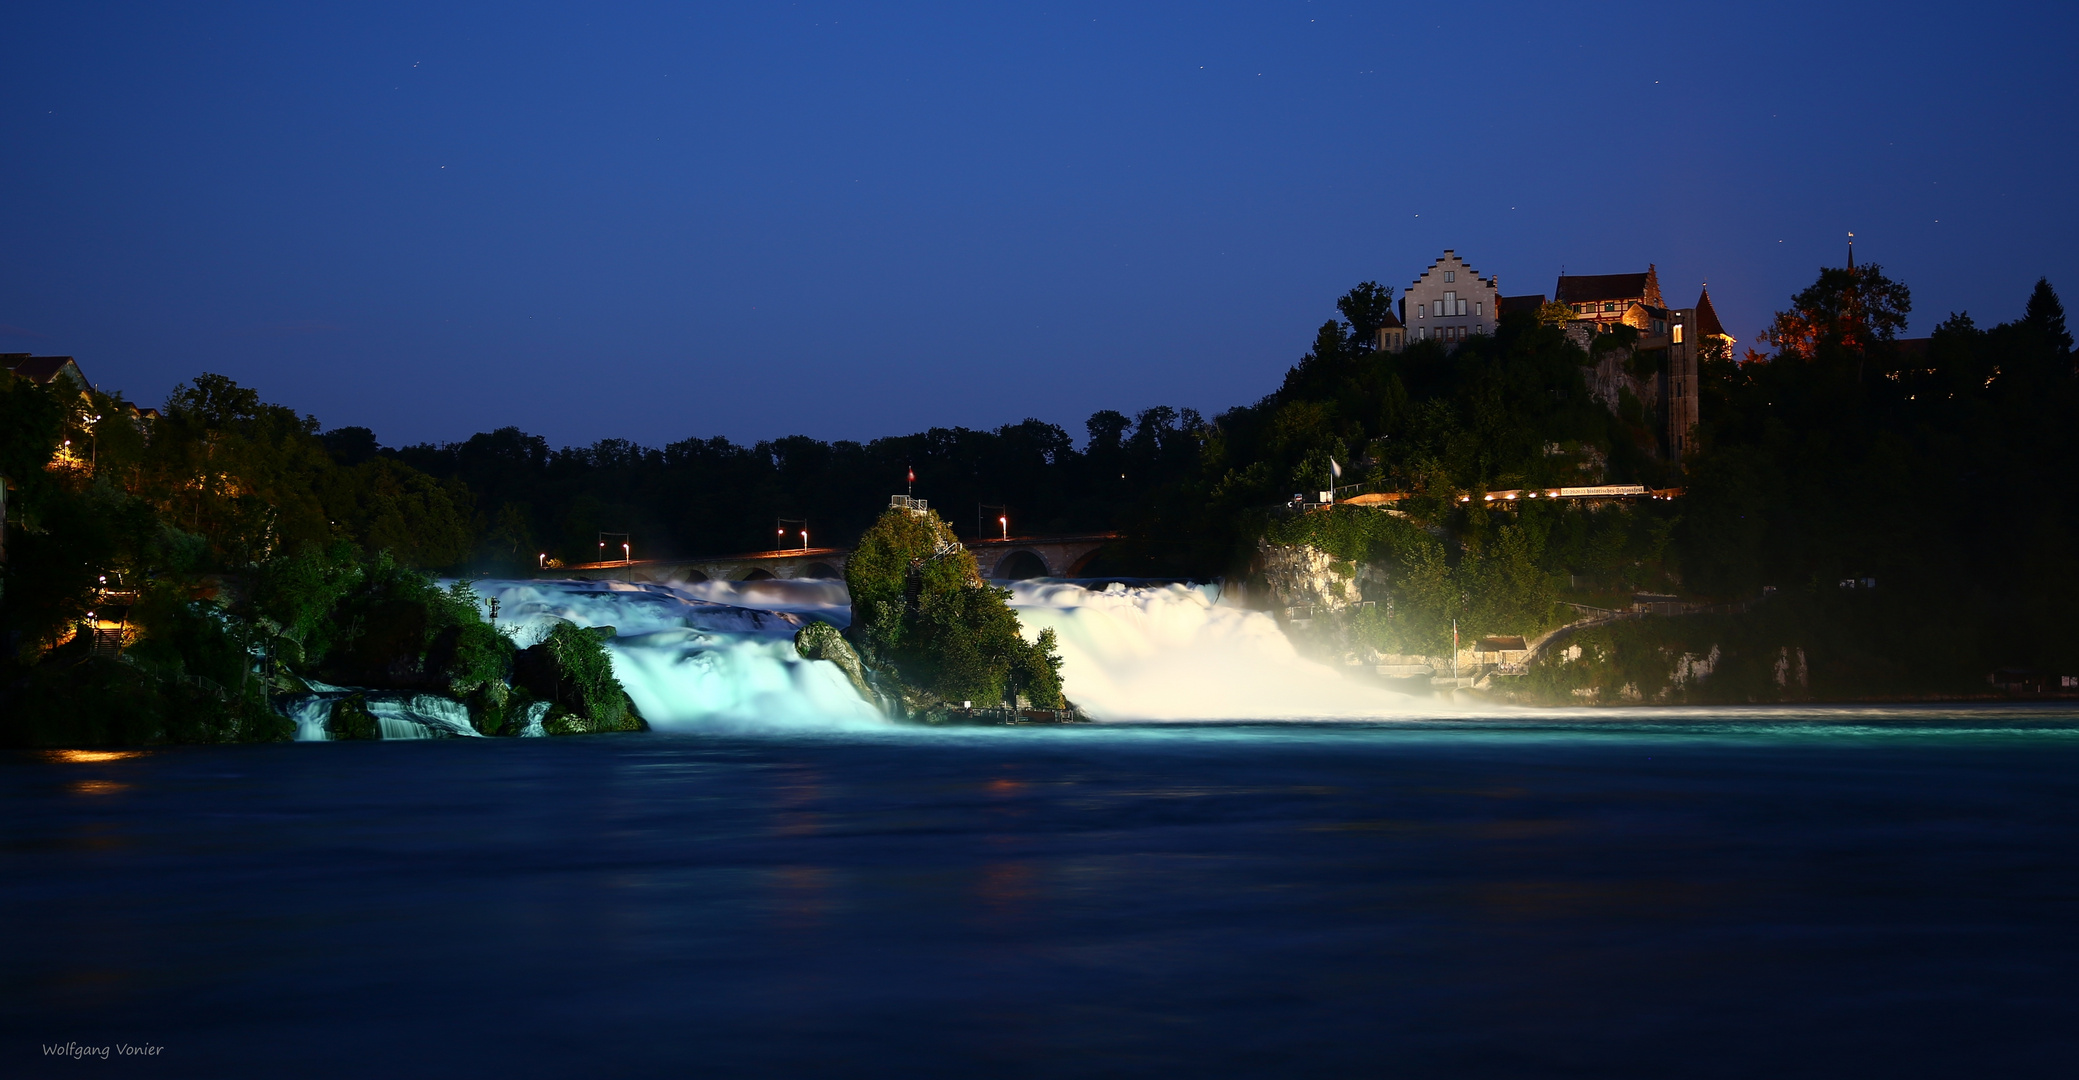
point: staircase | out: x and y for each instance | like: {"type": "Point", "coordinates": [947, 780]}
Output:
{"type": "Point", "coordinates": [108, 642]}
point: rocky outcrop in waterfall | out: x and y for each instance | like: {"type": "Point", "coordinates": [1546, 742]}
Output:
{"type": "Point", "coordinates": [822, 641]}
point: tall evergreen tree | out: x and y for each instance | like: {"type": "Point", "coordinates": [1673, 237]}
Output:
{"type": "Point", "coordinates": [2046, 316]}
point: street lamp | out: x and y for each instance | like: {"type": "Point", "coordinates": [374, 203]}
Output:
{"type": "Point", "coordinates": [542, 561]}
{"type": "Point", "coordinates": [804, 540]}
{"type": "Point", "coordinates": [1005, 521]}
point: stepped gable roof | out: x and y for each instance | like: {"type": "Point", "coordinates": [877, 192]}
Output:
{"type": "Point", "coordinates": [1707, 324]}
{"type": "Point", "coordinates": [1450, 253]}
{"type": "Point", "coordinates": [42, 369]}
{"type": "Point", "coordinates": [1528, 305]}
{"type": "Point", "coordinates": [1580, 288]}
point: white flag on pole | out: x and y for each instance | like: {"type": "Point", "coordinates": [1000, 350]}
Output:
{"type": "Point", "coordinates": [1335, 471]}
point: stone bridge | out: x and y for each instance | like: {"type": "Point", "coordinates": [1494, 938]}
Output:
{"type": "Point", "coordinates": [753, 566]}
{"type": "Point", "coordinates": [1022, 557]}
{"type": "Point", "coordinates": [1017, 558]}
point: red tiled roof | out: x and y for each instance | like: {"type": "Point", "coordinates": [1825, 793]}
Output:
{"type": "Point", "coordinates": [1707, 324]}
{"type": "Point", "coordinates": [1581, 288]}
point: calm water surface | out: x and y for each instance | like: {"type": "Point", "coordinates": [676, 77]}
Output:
{"type": "Point", "coordinates": [1621, 894]}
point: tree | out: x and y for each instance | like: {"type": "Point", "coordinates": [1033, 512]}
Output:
{"type": "Point", "coordinates": [1365, 309]}
{"type": "Point", "coordinates": [32, 421]}
{"type": "Point", "coordinates": [919, 606]}
{"type": "Point", "coordinates": [2046, 316]}
{"type": "Point", "coordinates": [1846, 312]}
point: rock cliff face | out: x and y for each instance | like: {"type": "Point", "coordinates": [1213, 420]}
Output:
{"type": "Point", "coordinates": [1304, 581]}
{"type": "Point", "coordinates": [1314, 595]}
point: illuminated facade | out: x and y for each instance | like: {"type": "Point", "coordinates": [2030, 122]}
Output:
{"type": "Point", "coordinates": [1611, 298]}
{"type": "Point", "coordinates": [1449, 303]}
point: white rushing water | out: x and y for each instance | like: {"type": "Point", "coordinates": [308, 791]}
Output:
{"type": "Point", "coordinates": [720, 655]}
{"type": "Point", "coordinates": [714, 656]}
{"type": "Point", "coordinates": [310, 715]}
{"type": "Point", "coordinates": [1172, 652]}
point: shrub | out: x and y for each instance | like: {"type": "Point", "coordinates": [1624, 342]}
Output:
{"type": "Point", "coordinates": [572, 669]}
{"type": "Point", "coordinates": [97, 702]}
{"type": "Point", "coordinates": [351, 720]}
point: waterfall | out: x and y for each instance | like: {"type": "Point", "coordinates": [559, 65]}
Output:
{"type": "Point", "coordinates": [1172, 652]}
{"type": "Point", "coordinates": [701, 657]}
{"type": "Point", "coordinates": [720, 655]}
{"type": "Point", "coordinates": [420, 716]}
{"type": "Point", "coordinates": [310, 714]}
{"type": "Point", "coordinates": [396, 728]}
{"type": "Point", "coordinates": [530, 725]}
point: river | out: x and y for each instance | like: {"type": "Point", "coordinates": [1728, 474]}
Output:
{"type": "Point", "coordinates": [1781, 892]}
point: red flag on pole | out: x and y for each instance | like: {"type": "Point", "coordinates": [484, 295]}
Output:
{"type": "Point", "coordinates": [913, 474]}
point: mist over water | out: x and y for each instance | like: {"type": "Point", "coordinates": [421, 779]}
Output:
{"type": "Point", "coordinates": [720, 655]}
{"type": "Point", "coordinates": [1173, 652]}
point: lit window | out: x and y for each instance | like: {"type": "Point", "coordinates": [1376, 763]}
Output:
{"type": "Point", "coordinates": [1609, 305]}
{"type": "Point", "coordinates": [1678, 333]}
{"type": "Point", "coordinates": [1480, 308]}
{"type": "Point", "coordinates": [1461, 308]}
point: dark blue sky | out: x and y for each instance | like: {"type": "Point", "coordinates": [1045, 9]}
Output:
{"type": "Point", "coordinates": [660, 221]}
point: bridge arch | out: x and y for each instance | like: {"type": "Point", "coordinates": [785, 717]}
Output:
{"type": "Point", "coordinates": [819, 570]}
{"type": "Point", "coordinates": [689, 576]}
{"type": "Point", "coordinates": [1020, 565]}
{"type": "Point", "coordinates": [757, 575]}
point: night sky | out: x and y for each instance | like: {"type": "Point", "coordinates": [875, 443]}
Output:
{"type": "Point", "coordinates": [663, 221]}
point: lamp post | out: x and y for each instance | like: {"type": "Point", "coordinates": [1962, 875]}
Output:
{"type": "Point", "coordinates": [541, 561]}
{"type": "Point", "coordinates": [1005, 521]}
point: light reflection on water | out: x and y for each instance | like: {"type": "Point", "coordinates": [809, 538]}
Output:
{"type": "Point", "coordinates": [1606, 892]}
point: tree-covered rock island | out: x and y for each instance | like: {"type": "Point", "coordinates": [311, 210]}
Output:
{"type": "Point", "coordinates": [1853, 516]}
{"type": "Point", "coordinates": [940, 640]}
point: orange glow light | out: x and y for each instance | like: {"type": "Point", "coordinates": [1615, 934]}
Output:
{"type": "Point", "coordinates": [88, 756]}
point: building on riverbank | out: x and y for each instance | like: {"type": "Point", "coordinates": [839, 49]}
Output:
{"type": "Point", "coordinates": [1450, 302]}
